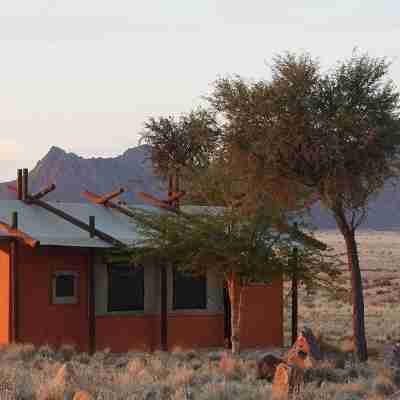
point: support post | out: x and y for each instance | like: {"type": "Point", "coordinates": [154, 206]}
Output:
{"type": "Point", "coordinates": [227, 319]}
{"type": "Point", "coordinates": [170, 185]}
{"type": "Point", "coordinates": [91, 303]}
{"type": "Point", "coordinates": [19, 184]}
{"type": "Point", "coordinates": [176, 189]}
{"type": "Point", "coordinates": [294, 295]}
{"type": "Point", "coordinates": [13, 331]}
{"type": "Point", "coordinates": [92, 226]}
{"type": "Point", "coordinates": [164, 310]}
{"type": "Point", "coordinates": [14, 220]}
{"type": "Point", "coordinates": [25, 185]}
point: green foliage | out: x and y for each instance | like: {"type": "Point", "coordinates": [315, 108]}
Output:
{"type": "Point", "coordinates": [183, 143]}
{"type": "Point", "coordinates": [335, 134]}
{"type": "Point", "coordinates": [222, 240]}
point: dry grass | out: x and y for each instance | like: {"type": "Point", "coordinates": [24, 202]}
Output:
{"type": "Point", "coordinates": [28, 373]}
{"type": "Point", "coordinates": [44, 374]}
{"type": "Point", "coordinates": [380, 261]}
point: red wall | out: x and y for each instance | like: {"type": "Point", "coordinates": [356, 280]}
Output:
{"type": "Point", "coordinates": [262, 319]}
{"type": "Point", "coordinates": [4, 293]}
{"type": "Point", "coordinates": [40, 321]}
{"type": "Point", "coordinates": [124, 333]}
{"type": "Point", "coordinates": [261, 325]}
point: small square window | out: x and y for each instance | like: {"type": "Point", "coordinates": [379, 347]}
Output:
{"type": "Point", "coordinates": [65, 287]}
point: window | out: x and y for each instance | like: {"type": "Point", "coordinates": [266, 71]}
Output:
{"type": "Point", "coordinates": [125, 288]}
{"type": "Point", "coordinates": [65, 287]}
{"type": "Point", "coordinates": [190, 292]}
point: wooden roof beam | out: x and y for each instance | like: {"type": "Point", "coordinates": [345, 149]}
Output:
{"type": "Point", "coordinates": [17, 233]}
{"type": "Point", "coordinates": [105, 199]}
{"type": "Point", "coordinates": [43, 192]}
{"type": "Point", "coordinates": [157, 202]}
{"type": "Point", "coordinates": [77, 222]}
{"type": "Point", "coordinates": [37, 196]}
{"type": "Point", "coordinates": [109, 196]}
{"type": "Point", "coordinates": [95, 199]}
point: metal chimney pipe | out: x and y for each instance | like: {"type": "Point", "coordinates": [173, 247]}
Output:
{"type": "Point", "coordinates": [25, 185]}
{"type": "Point", "coordinates": [19, 184]}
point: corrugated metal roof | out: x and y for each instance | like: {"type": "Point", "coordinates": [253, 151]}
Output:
{"type": "Point", "coordinates": [52, 230]}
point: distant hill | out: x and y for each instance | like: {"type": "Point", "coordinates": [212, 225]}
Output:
{"type": "Point", "coordinates": [133, 170]}
{"type": "Point", "coordinates": [383, 211]}
{"type": "Point", "coordinates": [73, 174]}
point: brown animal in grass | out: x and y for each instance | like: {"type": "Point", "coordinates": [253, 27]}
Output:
{"type": "Point", "coordinates": [288, 381]}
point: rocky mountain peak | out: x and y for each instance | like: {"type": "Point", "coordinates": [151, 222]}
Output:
{"type": "Point", "coordinates": [73, 174]}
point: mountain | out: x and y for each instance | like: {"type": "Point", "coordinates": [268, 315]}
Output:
{"type": "Point", "coordinates": [133, 170]}
{"type": "Point", "coordinates": [73, 174]}
{"type": "Point", "coordinates": [383, 211]}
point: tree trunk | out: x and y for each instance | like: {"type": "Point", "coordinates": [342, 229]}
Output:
{"type": "Point", "coordinates": [360, 342]}
{"type": "Point", "coordinates": [357, 296]}
{"type": "Point", "coordinates": [235, 297]}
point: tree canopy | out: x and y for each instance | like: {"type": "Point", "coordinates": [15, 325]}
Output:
{"type": "Point", "coordinates": [332, 135]}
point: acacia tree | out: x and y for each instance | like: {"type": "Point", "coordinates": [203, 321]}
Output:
{"type": "Point", "coordinates": [333, 135]}
{"type": "Point", "coordinates": [181, 145]}
{"type": "Point", "coordinates": [240, 241]}
{"type": "Point", "coordinates": [239, 249]}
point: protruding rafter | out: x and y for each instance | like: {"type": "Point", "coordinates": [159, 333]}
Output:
{"type": "Point", "coordinates": [18, 234]}
{"type": "Point", "coordinates": [105, 199]}
{"type": "Point", "coordinates": [120, 206]}
{"type": "Point", "coordinates": [39, 195]}
{"type": "Point", "coordinates": [165, 205]}
{"type": "Point", "coordinates": [36, 200]}
{"type": "Point", "coordinates": [169, 204]}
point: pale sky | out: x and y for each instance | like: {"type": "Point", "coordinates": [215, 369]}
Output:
{"type": "Point", "coordinates": [85, 74]}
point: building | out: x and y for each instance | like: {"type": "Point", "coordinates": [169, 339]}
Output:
{"type": "Point", "coordinates": [57, 286]}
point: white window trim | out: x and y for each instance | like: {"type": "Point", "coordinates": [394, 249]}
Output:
{"type": "Point", "coordinates": [67, 299]}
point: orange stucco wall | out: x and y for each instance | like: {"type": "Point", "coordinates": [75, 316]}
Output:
{"type": "Point", "coordinates": [4, 293]}
{"type": "Point", "coordinates": [191, 330]}
{"type": "Point", "coordinates": [262, 319]}
{"type": "Point", "coordinates": [39, 320]}
{"type": "Point", "coordinates": [261, 325]}
{"type": "Point", "coordinates": [124, 333]}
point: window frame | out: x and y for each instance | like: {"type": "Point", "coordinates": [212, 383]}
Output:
{"type": "Point", "coordinates": [175, 306]}
{"type": "Point", "coordinates": [64, 300]}
{"type": "Point", "coordinates": [110, 267]}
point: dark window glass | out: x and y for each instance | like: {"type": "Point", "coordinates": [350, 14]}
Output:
{"type": "Point", "coordinates": [125, 288]}
{"type": "Point", "coordinates": [65, 285]}
{"type": "Point", "coordinates": [190, 292]}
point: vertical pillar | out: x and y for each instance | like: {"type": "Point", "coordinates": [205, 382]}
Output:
{"type": "Point", "coordinates": [92, 225]}
{"type": "Point", "coordinates": [227, 319]}
{"type": "Point", "coordinates": [294, 296]}
{"type": "Point", "coordinates": [91, 303]}
{"type": "Point", "coordinates": [14, 283]}
{"type": "Point", "coordinates": [164, 309]}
